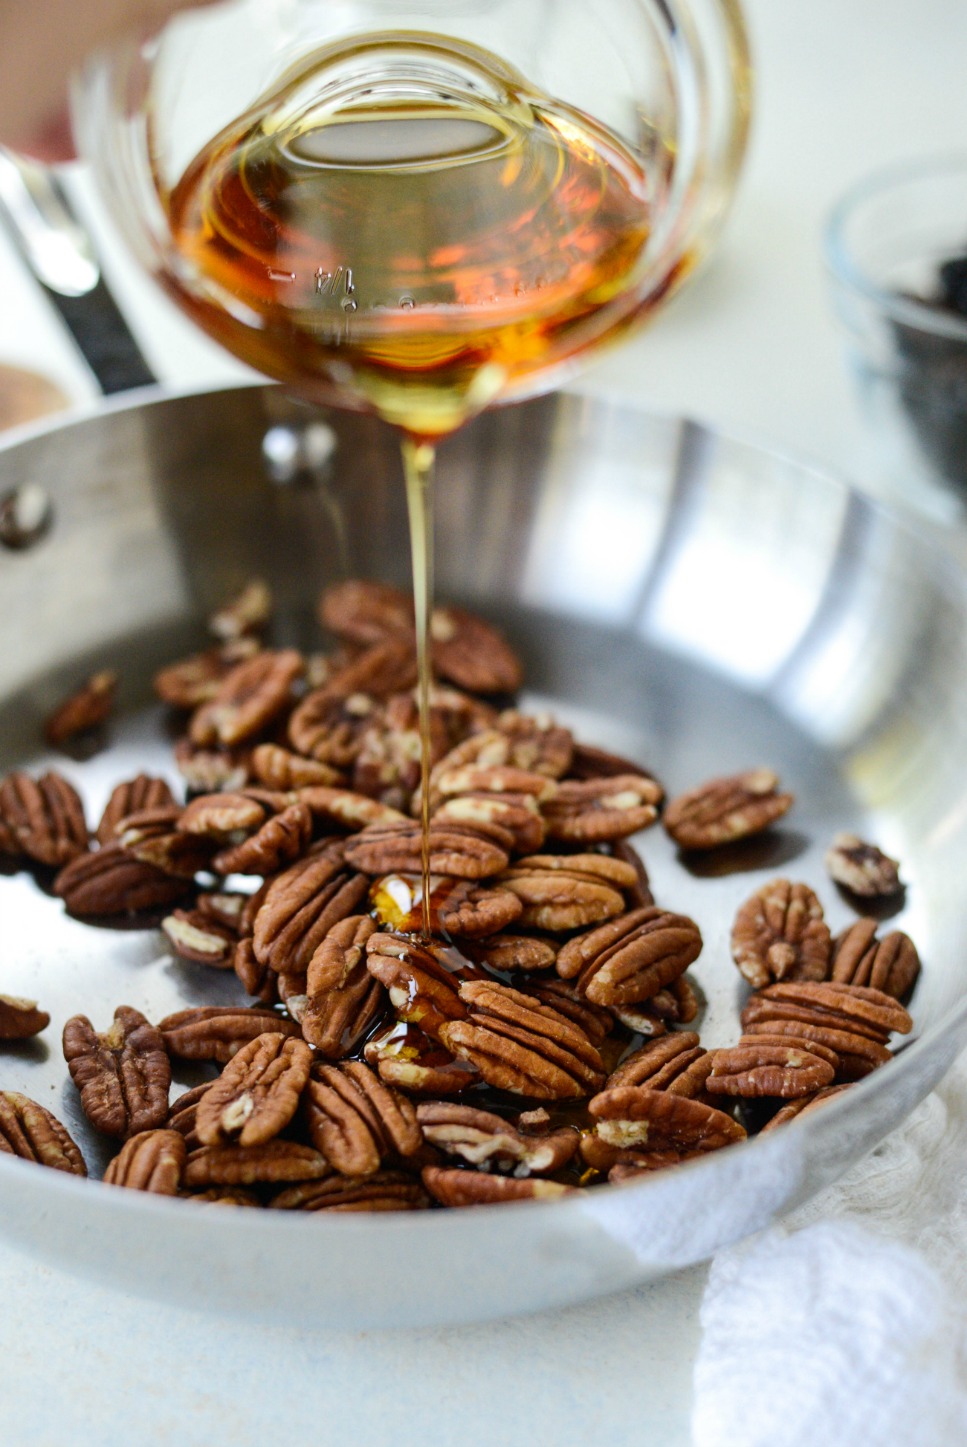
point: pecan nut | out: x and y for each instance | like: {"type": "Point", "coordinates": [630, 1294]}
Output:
{"type": "Point", "coordinates": [29, 1131]}
{"type": "Point", "coordinates": [383, 1191]}
{"type": "Point", "coordinates": [676, 1063]}
{"type": "Point", "coordinates": [862, 868]}
{"type": "Point", "coordinates": [516, 814]}
{"type": "Point", "coordinates": [123, 1074]}
{"type": "Point", "coordinates": [342, 998]}
{"type": "Point", "coordinates": [631, 958]}
{"type": "Point", "coordinates": [490, 1143]}
{"type": "Point", "coordinates": [356, 1120]}
{"type": "Point", "coordinates": [151, 1161]}
{"type": "Point", "coordinates": [457, 851]}
{"type": "Point", "coordinates": [45, 816]}
{"type": "Point", "coordinates": [111, 882]}
{"type": "Point", "coordinates": [632, 1117]}
{"type": "Point", "coordinates": [300, 907]}
{"type": "Point", "coordinates": [132, 797]}
{"type": "Point", "coordinates": [195, 936]}
{"type": "Point", "coordinates": [248, 699]}
{"type": "Point", "coordinates": [725, 810]}
{"type": "Point", "coordinates": [217, 1032]}
{"type": "Point", "coordinates": [279, 842]}
{"type": "Point", "coordinates": [20, 1019]}
{"type": "Point", "coordinates": [890, 964]}
{"type": "Point", "coordinates": [155, 837]}
{"type": "Point", "coordinates": [456, 1187]}
{"type": "Point", "coordinates": [755, 1067]}
{"type": "Point", "coordinates": [248, 612]}
{"type": "Point", "coordinates": [265, 1164]}
{"type": "Point", "coordinates": [404, 1056]}
{"type": "Point", "coordinates": [458, 907]}
{"type": "Point", "coordinates": [567, 891]}
{"type": "Point", "coordinates": [85, 710]}
{"type": "Point", "coordinates": [596, 811]}
{"type": "Point", "coordinates": [521, 1045]}
{"type": "Point", "coordinates": [780, 934]}
{"type": "Point", "coordinates": [279, 768]}
{"type": "Point", "coordinates": [423, 990]}
{"type": "Point", "coordinates": [195, 680]}
{"type": "Point", "coordinates": [257, 1093]}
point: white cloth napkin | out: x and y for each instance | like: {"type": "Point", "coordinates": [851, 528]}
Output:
{"type": "Point", "coordinates": [847, 1326]}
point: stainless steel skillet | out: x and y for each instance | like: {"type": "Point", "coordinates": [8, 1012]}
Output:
{"type": "Point", "coordinates": [685, 598]}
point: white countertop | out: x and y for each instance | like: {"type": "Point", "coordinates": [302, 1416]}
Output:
{"type": "Point", "coordinates": [844, 85]}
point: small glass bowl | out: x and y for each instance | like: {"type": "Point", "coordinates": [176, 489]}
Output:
{"type": "Point", "coordinates": [890, 245]}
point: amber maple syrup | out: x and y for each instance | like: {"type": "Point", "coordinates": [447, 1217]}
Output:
{"type": "Point", "coordinates": [404, 224]}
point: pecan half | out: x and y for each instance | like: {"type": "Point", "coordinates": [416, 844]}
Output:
{"type": "Point", "coordinates": [523, 1046]}
{"type": "Point", "coordinates": [725, 810]}
{"type": "Point", "coordinates": [567, 891]}
{"type": "Point", "coordinates": [86, 709]}
{"type": "Point", "coordinates": [856, 1052]}
{"type": "Point", "coordinates": [855, 1007]}
{"type": "Point", "coordinates": [384, 1191]}
{"type": "Point", "coordinates": [890, 964]}
{"type": "Point", "coordinates": [594, 811]}
{"type": "Point", "coordinates": [223, 1196]}
{"type": "Point", "coordinates": [111, 882]}
{"type": "Point", "coordinates": [150, 1161]}
{"type": "Point", "coordinates": [802, 1106]}
{"type": "Point", "coordinates": [404, 1056]}
{"type": "Point", "coordinates": [631, 958]}
{"type": "Point", "coordinates": [20, 1019]}
{"type": "Point", "coordinates": [250, 698]}
{"type": "Point", "coordinates": [205, 770]}
{"type": "Point", "coordinates": [300, 907]}
{"type": "Point", "coordinates": [753, 1068]}
{"type": "Point", "coordinates": [222, 816]}
{"type": "Point", "coordinates": [677, 1004]}
{"type": "Point", "coordinates": [257, 1093]}
{"type": "Point", "coordinates": [780, 934]}
{"type": "Point", "coordinates": [155, 837]}
{"type": "Point", "coordinates": [423, 987]}
{"type": "Point", "coordinates": [365, 612]}
{"type": "Point", "coordinates": [458, 907]}
{"type": "Point", "coordinates": [279, 768]}
{"type": "Point", "coordinates": [380, 670]}
{"type": "Point", "coordinates": [123, 1074]}
{"type": "Point", "coordinates": [471, 653]}
{"type": "Point", "coordinates": [517, 814]}
{"type": "Point", "coordinates": [509, 952]}
{"type": "Point", "coordinates": [862, 868]}
{"type": "Point", "coordinates": [30, 1132]}
{"type": "Point", "coordinates": [343, 998]}
{"type": "Point", "coordinates": [456, 1187]}
{"type": "Point", "coordinates": [490, 1143]}
{"type": "Point", "coordinates": [248, 612]}
{"type": "Point", "coordinates": [271, 1162]}
{"type": "Point", "coordinates": [596, 1022]}
{"type": "Point", "coordinates": [676, 1063]}
{"type": "Point", "coordinates": [457, 851]}
{"type": "Point", "coordinates": [534, 744]}
{"type": "Point", "coordinates": [132, 797]}
{"type": "Point", "coordinates": [195, 936]}
{"type": "Point", "coordinates": [356, 1120]}
{"type": "Point", "coordinates": [632, 1116]}
{"type": "Point", "coordinates": [195, 680]}
{"type": "Point", "coordinates": [279, 842]}
{"type": "Point", "coordinates": [347, 808]}
{"type": "Point", "coordinates": [45, 816]}
{"type": "Point", "coordinates": [217, 1032]}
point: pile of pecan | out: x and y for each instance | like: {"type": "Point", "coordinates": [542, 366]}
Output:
{"type": "Point", "coordinates": [533, 1044]}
